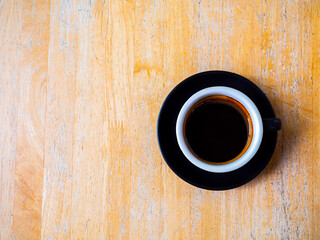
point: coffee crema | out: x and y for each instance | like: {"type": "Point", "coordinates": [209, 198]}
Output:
{"type": "Point", "coordinates": [218, 129]}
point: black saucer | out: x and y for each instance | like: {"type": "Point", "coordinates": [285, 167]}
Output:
{"type": "Point", "coordinates": [168, 142]}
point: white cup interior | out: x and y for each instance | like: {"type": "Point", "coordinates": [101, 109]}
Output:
{"type": "Point", "coordinates": [256, 124]}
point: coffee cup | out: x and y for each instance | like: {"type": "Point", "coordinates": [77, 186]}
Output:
{"type": "Point", "coordinates": [219, 129]}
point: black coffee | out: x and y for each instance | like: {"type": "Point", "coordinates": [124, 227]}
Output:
{"type": "Point", "coordinates": [216, 131]}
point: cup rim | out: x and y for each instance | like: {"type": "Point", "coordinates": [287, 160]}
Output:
{"type": "Point", "coordinates": [256, 124]}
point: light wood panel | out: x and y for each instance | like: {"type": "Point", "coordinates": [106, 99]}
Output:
{"type": "Point", "coordinates": [31, 95]}
{"type": "Point", "coordinates": [10, 15]}
{"type": "Point", "coordinates": [82, 83]}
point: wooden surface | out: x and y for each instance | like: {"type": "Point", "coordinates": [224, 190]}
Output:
{"type": "Point", "coordinates": [82, 83]}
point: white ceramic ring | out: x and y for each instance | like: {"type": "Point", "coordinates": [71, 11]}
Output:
{"type": "Point", "coordinates": [256, 123]}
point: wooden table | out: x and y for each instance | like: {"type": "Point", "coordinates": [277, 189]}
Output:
{"type": "Point", "coordinates": [81, 87]}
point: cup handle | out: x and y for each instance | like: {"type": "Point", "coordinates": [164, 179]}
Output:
{"type": "Point", "coordinates": [271, 124]}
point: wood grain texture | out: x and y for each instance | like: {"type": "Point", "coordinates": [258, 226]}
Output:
{"type": "Point", "coordinates": [31, 95]}
{"type": "Point", "coordinates": [82, 83]}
